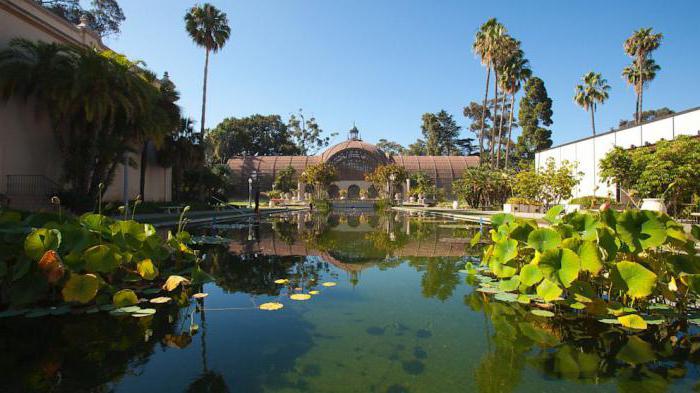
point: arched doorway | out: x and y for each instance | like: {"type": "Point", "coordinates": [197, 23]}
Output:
{"type": "Point", "coordinates": [333, 191]}
{"type": "Point", "coordinates": [354, 192]}
{"type": "Point", "coordinates": [372, 192]}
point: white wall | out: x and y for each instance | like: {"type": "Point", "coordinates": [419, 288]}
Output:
{"type": "Point", "coordinates": [588, 152]}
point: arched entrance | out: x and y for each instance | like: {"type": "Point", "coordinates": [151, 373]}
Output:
{"type": "Point", "coordinates": [333, 191]}
{"type": "Point", "coordinates": [354, 191]}
{"type": "Point", "coordinates": [372, 192]}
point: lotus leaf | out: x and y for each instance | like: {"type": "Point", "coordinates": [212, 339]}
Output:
{"type": "Point", "coordinates": [124, 298]}
{"type": "Point", "coordinates": [640, 230]}
{"type": "Point", "coordinates": [502, 218]}
{"type": "Point", "coordinates": [542, 313]}
{"type": "Point", "coordinates": [561, 265]}
{"type": "Point", "coordinates": [147, 269]}
{"type": "Point", "coordinates": [200, 295]}
{"type": "Point", "coordinates": [475, 239]}
{"type": "Point", "coordinates": [530, 274]}
{"type": "Point", "coordinates": [552, 215]}
{"type": "Point", "coordinates": [314, 292]}
{"type": "Point", "coordinates": [272, 306]}
{"type": "Point", "coordinates": [40, 241]}
{"type": "Point", "coordinates": [590, 258]}
{"type": "Point", "coordinates": [509, 285]}
{"type": "Point", "coordinates": [549, 290]}
{"type": "Point", "coordinates": [632, 321]}
{"type": "Point", "coordinates": [638, 280]}
{"type": "Point", "coordinates": [506, 297]}
{"type": "Point", "coordinates": [300, 296]}
{"type": "Point", "coordinates": [161, 300]}
{"type": "Point", "coordinates": [102, 258]}
{"type": "Point", "coordinates": [175, 281]}
{"type": "Point", "coordinates": [328, 284]}
{"type": "Point", "coordinates": [543, 239]}
{"type": "Point", "coordinates": [505, 250]}
{"type": "Point", "coordinates": [81, 288]}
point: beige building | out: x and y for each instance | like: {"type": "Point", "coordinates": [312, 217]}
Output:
{"type": "Point", "coordinates": [30, 162]}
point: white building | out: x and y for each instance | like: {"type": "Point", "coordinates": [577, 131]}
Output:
{"type": "Point", "coordinates": [587, 152]}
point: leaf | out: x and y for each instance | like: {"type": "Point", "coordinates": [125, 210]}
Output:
{"type": "Point", "coordinates": [632, 321]}
{"type": "Point", "coordinates": [272, 306]}
{"type": "Point", "coordinates": [314, 292]}
{"type": "Point", "coordinates": [101, 258]}
{"type": "Point", "coordinates": [505, 250]}
{"type": "Point", "coordinates": [200, 295]}
{"type": "Point", "coordinates": [638, 280]}
{"type": "Point", "coordinates": [561, 264]}
{"type": "Point", "coordinates": [124, 298]}
{"type": "Point", "coordinates": [548, 290]}
{"type": "Point", "coordinates": [542, 313]}
{"type": "Point", "coordinates": [695, 231]}
{"type": "Point", "coordinates": [147, 269]}
{"type": "Point", "coordinates": [552, 215]}
{"type": "Point", "coordinates": [608, 242]}
{"type": "Point", "coordinates": [80, 288]}
{"type": "Point", "coordinates": [640, 230]}
{"type": "Point", "coordinates": [160, 300]}
{"type": "Point", "coordinates": [475, 239]}
{"type": "Point", "coordinates": [543, 239]}
{"type": "Point", "coordinates": [40, 241]}
{"type": "Point", "coordinates": [174, 281]}
{"type": "Point", "coordinates": [502, 218]}
{"type": "Point", "coordinates": [636, 351]}
{"type": "Point", "coordinates": [328, 284]}
{"type": "Point", "coordinates": [586, 224]}
{"type": "Point", "coordinates": [506, 297]}
{"type": "Point", "coordinates": [300, 296]}
{"type": "Point", "coordinates": [281, 281]}
{"type": "Point", "coordinates": [590, 258]}
{"type": "Point", "coordinates": [509, 285]}
{"type": "Point", "coordinates": [530, 274]}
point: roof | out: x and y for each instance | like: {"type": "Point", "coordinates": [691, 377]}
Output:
{"type": "Point", "coordinates": [353, 144]}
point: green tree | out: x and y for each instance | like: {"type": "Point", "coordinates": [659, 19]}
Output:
{"type": "Point", "coordinates": [528, 184]}
{"type": "Point", "coordinates": [99, 103]}
{"type": "Point", "coordinates": [441, 132]}
{"type": "Point", "coordinates": [183, 151]}
{"type": "Point", "coordinates": [483, 186]}
{"type": "Point", "coordinates": [256, 135]}
{"type": "Point", "coordinates": [208, 27]}
{"type": "Point", "coordinates": [285, 179]}
{"type": "Point", "coordinates": [321, 175]}
{"type": "Point", "coordinates": [640, 45]}
{"type": "Point", "coordinates": [418, 148]}
{"type": "Point", "coordinates": [592, 92]}
{"type": "Point", "coordinates": [307, 135]}
{"type": "Point", "coordinates": [104, 17]}
{"type": "Point", "coordinates": [631, 74]}
{"type": "Point", "coordinates": [535, 112]}
{"type": "Point", "coordinates": [558, 182]}
{"type": "Point", "coordinates": [479, 117]}
{"type": "Point", "coordinates": [647, 116]}
{"type": "Point", "coordinates": [515, 72]}
{"type": "Point", "coordinates": [381, 177]}
{"type": "Point", "coordinates": [390, 147]}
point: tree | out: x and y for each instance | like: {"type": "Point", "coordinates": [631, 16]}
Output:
{"type": "Point", "coordinates": [441, 133]}
{"type": "Point", "coordinates": [284, 180]}
{"type": "Point", "coordinates": [479, 117]}
{"type": "Point", "coordinates": [391, 148]}
{"type": "Point", "coordinates": [99, 103]}
{"type": "Point", "coordinates": [640, 46]}
{"type": "Point", "coordinates": [558, 182]}
{"type": "Point", "coordinates": [104, 17]}
{"type": "Point", "coordinates": [183, 151]}
{"type": "Point", "coordinates": [507, 48]}
{"type": "Point", "coordinates": [255, 135]}
{"type": "Point", "coordinates": [592, 92]}
{"type": "Point", "coordinates": [631, 75]}
{"type": "Point", "coordinates": [381, 177]}
{"type": "Point", "coordinates": [321, 175]}
{"type": "Point", "coordinates": [418, 148]}
{"type": "Point", "coordinates": [647, 116]}
{"type": "Point", "coordinates": [307, 135]}
{"type": "Point", "coordinates": [485, 46]}
{"type": "Point", "coordinates": [535, 112]}
{"type": "Point", "coordinates": [515, 72]}
{"type": "Point", "coordinates": [421, 183]}
{"type": "Point", "coordinates": [483, 186]}
{"type": "Point", "coordinates": [208, 28]}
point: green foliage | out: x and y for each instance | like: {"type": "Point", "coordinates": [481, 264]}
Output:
{"type": "Point", "coordinates": [285, 179]}
{"type": "Point", "coordinates": [321, 176]}
{"type": "Point", "coordinates": [483, 187]}
{"type": "Point", "coordinates": [381, 177]}
{"type": "Point", "coordinates": [535, 113]}
{"type": "Point", "coordinates": [104, 17]}
{"type": "Point", "coordinates": [669, 170]}
{"type": "Point", "coordinates": [307, 135]}
{"type": "Point", "coordinates": [528, 184]}
{"type": "Point", "coordinates": [441, 132]}
{"type": "Point", "coordinates": [550, 184]}
{"type": "Point", "coordinates": [601, 263]}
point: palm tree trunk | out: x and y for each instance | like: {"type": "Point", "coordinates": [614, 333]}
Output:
{"type": "Point", "coordinates": [142, 175]}
{"type": "Point", "coordinates": [510, 127]}
{"type": "Point", "coordinates": [593, 119]}
{"type": "Point", "coordinates": [483, 116]}
{"type": "Point", "coordinates": [204, 91]}
{"type": "Point", "coordinates": [495, 114]}
{"type": "Point", "coordinates": [500, 130]}
{"type": "Point", "coordinates": [641, 100]}
{"type": "Point", "coordinates": [640, 83]}
{"type": "Point", "coordinates": [636, 109]}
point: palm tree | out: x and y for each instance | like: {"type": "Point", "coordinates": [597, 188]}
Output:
{"type": "Point", "coordinates": [484, 46]}
{"type": "Point", "coordinates": [592, 92]}
{"type": "Point", "coordinates": [208, 27]}
{"type": "Point", "coordinates": [518, 71]}
{"type": "Point", "coordinates": [632, 75]}
{"type": "Point", "coordinates": [639, 46]}
{"type": "Point", "coordinates": [503, 48]}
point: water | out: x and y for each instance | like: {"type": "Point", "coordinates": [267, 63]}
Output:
{"type": "Point", "coordinates": [402, 318]}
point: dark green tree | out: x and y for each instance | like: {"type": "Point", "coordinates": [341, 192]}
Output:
{"type": "Point", "coordinates": [307, 135]}
{"type": "Point", "coordinates": [417, 148]}
{"type": "Point", "coordinates": [285, 179]}
{"type": "Point", "coordinates": [391, 147]}
{"type": "Point", "coordinates": [441, 132]}
{"type": "Point", "coordinates": [647, 116]}
{"type": "Point", "coordinates": [535, 114]}
{"type": "Point", "coordinates": [255, 135]}
{"type": "Point", "coordinates": [104, 16]}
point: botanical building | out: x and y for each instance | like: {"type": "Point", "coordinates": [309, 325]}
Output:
{"type": "Point", "coordinates": [353, 159]}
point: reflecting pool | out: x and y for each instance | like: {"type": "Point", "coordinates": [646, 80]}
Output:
{"type": "Point", "coordinates": [402, 317]}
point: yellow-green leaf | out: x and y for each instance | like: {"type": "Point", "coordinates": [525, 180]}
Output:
{"type": "Point", "coordinates": [590, 257]}
{"type": "Point", "coordinates": [632, 321]}
{"type": "Point", "coordinates": [81, 288]}
{"type": "Point", "coordinates": [549, 290]}
{"type": "Point", "coordinates": [174, 281]}
{"type": "Point", "coordinates": [147, 269]}
{"type": "Point", "coordinates": [125, 297]}
{"type": "Point", "coordinates": [639, 280]}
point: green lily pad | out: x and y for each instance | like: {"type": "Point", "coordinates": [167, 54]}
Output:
{"type": "Point", "coordinates": [542, 313]}
{"type": "Point", "coordinates": [81, 288]}
{"type": "Point", "coordinates": [40, 241]}
{"type": "Point", "coordinates": [543, 239]}
{"type": "Point", "coordinates": [548, 290]}
{"type": "Point", "coordinates": [530, 274]}
{"type": "Point", "coordinates": [609, 321]}
{"type": "Point", "coordinates": [488, 290]}
{"type": "Point", "coordinates": [560, 265]}
{"type": "Point", "coordinates": [12, 313]}
{"type": "Point", "coordinates": [125, 297]}
{"type": "Point", "coordinates": [506, 297]}
{"type": "Point", "coordinates": [639, 280]}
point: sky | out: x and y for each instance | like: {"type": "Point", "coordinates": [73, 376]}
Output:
{"type": "Point", "coordinates": [381, 64]}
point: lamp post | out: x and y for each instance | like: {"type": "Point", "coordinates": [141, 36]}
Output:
{"type": "Point", "coordinates": [250, 191]}
{"type": "Point", "coordinates": [392, 179]}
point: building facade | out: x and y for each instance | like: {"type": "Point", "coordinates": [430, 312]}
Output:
{"type": "Point", "coordinates": [589, 151]}
{"type": "Point", "coordinates": [353, 159]}
{"type": "Point", "coordinates": [30, 161]}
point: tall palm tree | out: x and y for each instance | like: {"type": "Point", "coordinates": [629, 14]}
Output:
{"type": "Point", "coordinates": [484, 46]}
{"type": "Point", "coordinates": [592, 92]}
{"type": "Point", "coordinates": [632, 75]}
{"type": "Point", "coordinates": [639, 46]}
{"type": "Point", "coordinates": [504, 45]}
{"type": "Point", "coordinates": [208, 27]}
{"type": "Point", "coordinates": [518, 71]}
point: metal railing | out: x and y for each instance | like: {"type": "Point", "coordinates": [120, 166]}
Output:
{"type": "Point", "coordinates": [31, 185]}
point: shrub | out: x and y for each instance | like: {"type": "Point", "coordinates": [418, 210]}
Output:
{"type": "Point", "coordinates": [483, 187]}
{"type": "Point", "coordinates": [523, 201]}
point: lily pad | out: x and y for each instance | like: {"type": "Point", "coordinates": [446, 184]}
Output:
{"type": "Point", "coordinates": [161, 300]}
{"type": "Point", "coordinates": [548, 290]}
{"type": "Point", "coordinates": [281, 281]}
{"type": "Point", "coordinates": [506, 297]}
{"type": "Point", "coordinates": [543, 239]}
{"type": "Point", "coordinates": [300, 296]}
{"type": "Point", "coordinates": [81, 288]}
{"type": "Point", "coordinates": [272, 306]}
{"type": "Point", "coordinates": [200, 295]}
{"type": "Point", "coordinates": [124, 298]}
{"type": "Point", "coordinates": [174, 281]}
{"type": "Point", "coordinates": [632, 321]}
{"type": "Point", "coordinates": [639, 280]}
{"type": "Point", "coordinates": [314, 292]}
{"type": "Point", "coordinates": [329, 284]}
{"type": "Point", "coordinates": [147, 269]}
{"type": "Point", "coordinates": [542, 313]}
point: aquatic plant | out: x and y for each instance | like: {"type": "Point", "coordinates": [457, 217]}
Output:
{"type": "Point", "coordinates": [640, 267]}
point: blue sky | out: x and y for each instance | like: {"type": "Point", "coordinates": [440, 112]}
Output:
{"type": "Point", "coordinates": [382, 63]}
